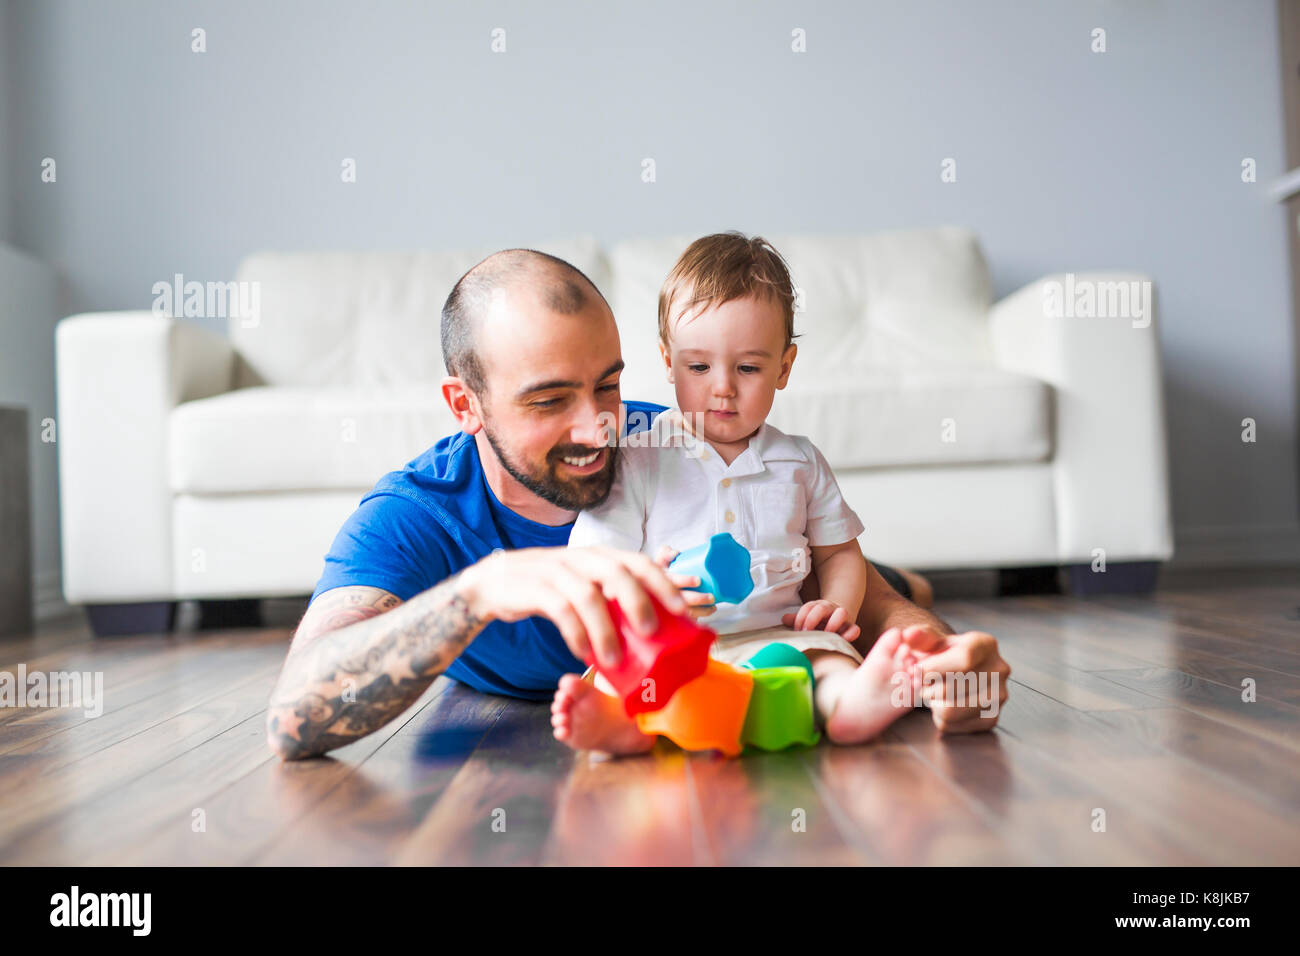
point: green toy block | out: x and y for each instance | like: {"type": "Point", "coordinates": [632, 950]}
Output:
{"type": "Point", "coordinates": [780, 709]}
{"type": "Point", "coordinates": [780, 654]}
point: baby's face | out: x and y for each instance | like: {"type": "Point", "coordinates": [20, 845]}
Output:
{"type": "Point", "coordinates": [726, 364]}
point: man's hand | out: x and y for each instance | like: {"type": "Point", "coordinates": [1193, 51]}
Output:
{"type": "Point", "coordinates": [810, 617]}
{"type": "Point", "coordinates": [570, 586]}
{"type": "Point", "coordinates": [978, 668]}
{"type": "Point", "coordinates": [700, 603]}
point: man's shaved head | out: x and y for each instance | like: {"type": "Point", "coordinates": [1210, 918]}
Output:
{"type": "Point", "coordinates": [556, 284]}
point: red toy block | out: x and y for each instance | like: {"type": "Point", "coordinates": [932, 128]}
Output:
{"type": "Point", "coordinates": [654, 667]}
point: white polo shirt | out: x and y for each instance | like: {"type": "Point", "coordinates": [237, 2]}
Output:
{"type": "Point", "coordinates": [777, 498]}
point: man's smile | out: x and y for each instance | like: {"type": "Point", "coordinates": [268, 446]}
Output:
{"type": "Point", "coordinates": [585, 464]}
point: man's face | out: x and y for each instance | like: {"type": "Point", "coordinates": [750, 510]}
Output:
{"type": "Point", "coordinates": [552, 384]}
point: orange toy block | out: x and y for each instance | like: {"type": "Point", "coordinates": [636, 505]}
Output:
{"type": "Point", "coordinates": [706, 714]}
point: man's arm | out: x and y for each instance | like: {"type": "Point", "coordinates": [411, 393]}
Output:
{"type": "Point", "coordinates": [359, 658]}
{"type": "Point", "coordinates": [363, 656]}
{"type": "Point", "coordinates": [882, 608]}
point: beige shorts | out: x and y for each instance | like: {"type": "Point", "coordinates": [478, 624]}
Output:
{"type": "Point", "coordinates": [741, 646]}
{"type": "Point", "coordinates": [737, 648]}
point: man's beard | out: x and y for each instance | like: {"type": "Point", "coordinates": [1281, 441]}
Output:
{"type": "Point", "coordinates": [572, 494]}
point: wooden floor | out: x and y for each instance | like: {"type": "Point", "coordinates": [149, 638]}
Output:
{"type": "Point", "coordinates": [1132, 706]}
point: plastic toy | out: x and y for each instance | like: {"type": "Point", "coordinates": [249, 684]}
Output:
{"type": "Point", "coordinates": [654, 668]}
{"type": "Point", "coordinates": [706, 714]}
{"type": "Point", "coordinates": [780, 709]}
{"type": "Point", "coordinates": [766, 703]}
{"type": "Point", "coordinates": [722, 565]}
{"type": "Point", "coordinates": [779, 654]}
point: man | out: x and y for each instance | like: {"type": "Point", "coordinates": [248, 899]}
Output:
{"type": "Point", "coordinates": [456, 564]}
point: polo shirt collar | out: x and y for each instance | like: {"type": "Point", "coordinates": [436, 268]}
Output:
{"type": "Point", "coordinates": [767, 445]}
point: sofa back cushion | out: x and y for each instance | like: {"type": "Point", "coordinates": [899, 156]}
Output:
{"type": "Point", "coordinates": [361, 318]}
{"type": "Point", "coordinates": [903, 298]}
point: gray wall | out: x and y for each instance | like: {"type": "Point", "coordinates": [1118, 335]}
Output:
{"type": "Point", "coordinates": [171, 161]}
{"type": "Point", "coordinates": [27, 318]}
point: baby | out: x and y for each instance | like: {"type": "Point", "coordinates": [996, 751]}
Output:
{"type": "Point", "coordinates": [713, 463]}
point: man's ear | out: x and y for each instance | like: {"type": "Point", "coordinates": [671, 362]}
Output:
{"type": "Point", "coordinates": [463, 403]}
{"type": "Point", "coordinates": [787, 360]}
{"type": "Point", "coordinates": [668, 360]}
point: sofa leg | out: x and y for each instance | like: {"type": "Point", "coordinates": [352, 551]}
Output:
{"type": "Point", "coordinates": [225, 614]}
{"type": "Point", "coordinates": [111, 620]}
{"type": "Point", "coordinates": [1039, 579]}
{"type": "Point", "coordinates": [1120, 577]}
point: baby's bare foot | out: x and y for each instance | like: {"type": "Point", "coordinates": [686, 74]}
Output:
{"type": "Point", "coordinates": [866, 704]}
{"type": "Point", "coordinates": [586, 719]}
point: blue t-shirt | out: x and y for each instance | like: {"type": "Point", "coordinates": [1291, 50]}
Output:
{"type": "Point", "coordinates": [437, 516]}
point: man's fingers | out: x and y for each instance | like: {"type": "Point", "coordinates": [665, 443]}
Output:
{"type": "Point", "coordinates": [922, 637]}
{"type": "Point", "coordinates": [610, 570]}
{"type": "Point", "coordinates": [588, 602]}
{"type": "Point", "coordinates": [959, 722]}
{"type": "Point", "coordinates": [653, 580]}
{"type": "Point", "coordinates": [557, 610]}
{"type": "Point", "coordinates": [953, 659]}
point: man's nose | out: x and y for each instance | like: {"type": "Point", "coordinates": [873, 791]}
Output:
{"type": "Point", "coordinates": [590, 427]}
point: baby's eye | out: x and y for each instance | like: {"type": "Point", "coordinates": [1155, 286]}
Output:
{"type": "Point", "coordinates": [750, 368]}
{"type": "Point", "coordinates": [697, 367]}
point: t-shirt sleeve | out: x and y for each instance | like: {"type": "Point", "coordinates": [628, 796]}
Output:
{"type": "Point", "coordinates": [618, 521]}
{"type": "Point", "coordinates": [389, 543]}
{"type": "Point", "coordinates": [830, 519]}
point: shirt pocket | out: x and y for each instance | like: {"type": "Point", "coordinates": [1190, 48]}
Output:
{"type": "Point", "coordinates": [780, 516]}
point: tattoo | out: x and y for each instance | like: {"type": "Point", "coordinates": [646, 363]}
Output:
{"type": "Point", "coordinates": [363, 663]}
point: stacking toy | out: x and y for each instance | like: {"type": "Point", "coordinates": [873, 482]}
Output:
{"type": "Point", "coordinates": [722, 565]}
{"type": "Point", "coordinates": [706, 714]}
{"type": "Point", "coordinates": [780, 654]}
{"type": "Point", "coordinates": [780, 708]}
{"type": "Point", "coordinates": [654, 667]}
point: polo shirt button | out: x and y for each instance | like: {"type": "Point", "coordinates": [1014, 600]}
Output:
{"type": "Point", "coordinates": [730, 516]}
{"type": "Point", "coordinates": [704, 453]}
{"type": "Point", "coordinates": [726, 482]}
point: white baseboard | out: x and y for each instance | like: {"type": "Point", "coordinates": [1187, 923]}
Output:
{"type": "Point", "coordinates": [1225, 546]}
{"type": "Point", "coordinates": [48, 599]}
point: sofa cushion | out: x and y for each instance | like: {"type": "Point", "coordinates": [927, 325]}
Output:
{"type": "Point", "coordinates": [908, 297]}
{"type": "Point", "coordinates": [288, 438]}
{"type": "Point", "coordinates": [361, 318]}
{"type": "Point", "coordinates": [890, 416]}
{"type": "Point", "coordinates": [291, 438]}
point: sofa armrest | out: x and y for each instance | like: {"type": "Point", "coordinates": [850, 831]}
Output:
{"type": "Point", "coordinates": [1111, 473]}
{"type": "Point", "coordinates": [119, 375]}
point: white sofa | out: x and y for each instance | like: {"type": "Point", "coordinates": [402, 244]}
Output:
{"type": "Point", "coordinates": [194, 465]}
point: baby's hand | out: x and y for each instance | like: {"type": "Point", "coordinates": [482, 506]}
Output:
{"type": "Point", "coordinates": [811, 616]}
{"type": "Point", "coordinates": [698, 603]}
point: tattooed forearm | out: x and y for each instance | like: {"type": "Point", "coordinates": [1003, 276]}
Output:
{"type": "Point", "coordinates": [356, 664]}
